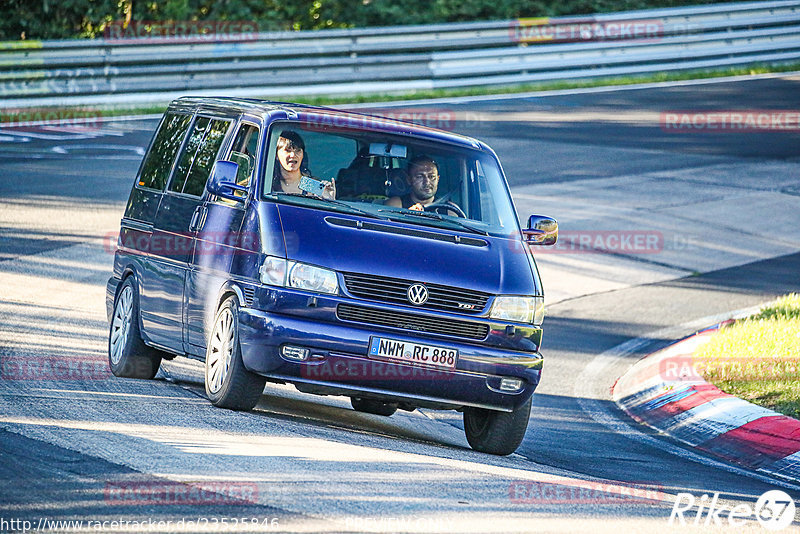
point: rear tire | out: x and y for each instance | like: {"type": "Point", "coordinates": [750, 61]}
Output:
{"type": "Point", "coordinates": [496, 432]}
{"type": "Point", "coordinates": [228, 383]}
{"type": "Point", "coordinates": [128, 356]}
{"type": "Point", "coordinates": [373, 406]}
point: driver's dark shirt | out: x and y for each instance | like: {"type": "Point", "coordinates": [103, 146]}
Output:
{"type": "Point", "coordinates": [407, 202]}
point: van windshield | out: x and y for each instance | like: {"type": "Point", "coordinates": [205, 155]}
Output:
{"type": "Point", "coordinates": [381, 175]}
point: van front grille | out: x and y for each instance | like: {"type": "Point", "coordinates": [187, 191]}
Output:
{"type": "Point", "coordinates": [395, 290]}
{"type": "Point", "coordinates": [412, 321]}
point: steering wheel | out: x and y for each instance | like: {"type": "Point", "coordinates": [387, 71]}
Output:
{"type": "Point", "coordinates": [445, 206]}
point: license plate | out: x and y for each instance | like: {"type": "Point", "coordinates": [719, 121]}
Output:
{"type": "Point", "coordinates": [414, 353]}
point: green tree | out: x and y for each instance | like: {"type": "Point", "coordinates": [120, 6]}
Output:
{"type": "Point", "coordinates": [62, 19]}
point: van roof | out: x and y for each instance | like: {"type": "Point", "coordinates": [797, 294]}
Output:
{"type": "Point", "coordinates": [262, 108]}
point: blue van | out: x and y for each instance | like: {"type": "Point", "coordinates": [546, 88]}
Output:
{"type": "Point", "coordinates": [343, 253]}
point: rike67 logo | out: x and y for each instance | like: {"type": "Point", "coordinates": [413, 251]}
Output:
{"type": "Point", "coordinates": [774, 510]}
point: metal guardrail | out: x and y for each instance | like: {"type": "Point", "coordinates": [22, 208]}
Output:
{"type": "Point", "coordinates": [149, 70]}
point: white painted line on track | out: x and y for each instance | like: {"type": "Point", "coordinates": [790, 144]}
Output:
{"type": "Point", "coordinates": [65, 149]}
{"type": "Point", "coordinates": [66, 136]}
{"type": "Point", "coordinates": [576, 91]}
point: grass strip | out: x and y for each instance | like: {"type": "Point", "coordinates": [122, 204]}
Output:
{"type": "Point", "coordinates": [758, 358]}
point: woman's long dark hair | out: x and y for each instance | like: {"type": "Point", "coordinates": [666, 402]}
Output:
{"type": "Point", "coordinates": [291, 137]}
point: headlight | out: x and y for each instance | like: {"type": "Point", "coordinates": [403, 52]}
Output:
{"type": "Point", "coordinates": [308, 277]}
{"type": "Point", "coordinates": [518, 309]}
{"type": "Point", "coordinates": [286, 273]}
{"type": "Point", "coordinates": [273, 271]}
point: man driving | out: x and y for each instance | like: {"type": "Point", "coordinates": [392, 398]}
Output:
{"type": "Point", "coordinates": [423, 179]}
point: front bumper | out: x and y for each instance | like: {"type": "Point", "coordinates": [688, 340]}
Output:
{"type": "Point", "coordinates": [339, 364]}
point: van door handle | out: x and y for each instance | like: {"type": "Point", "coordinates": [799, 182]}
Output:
{"type": "Point", "coordinates": [197, 218]}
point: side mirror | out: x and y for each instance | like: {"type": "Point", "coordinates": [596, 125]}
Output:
{"type": "Point", "coordinates": [541, 231]}
{"type": "Point", "coordinates": [223, 181]}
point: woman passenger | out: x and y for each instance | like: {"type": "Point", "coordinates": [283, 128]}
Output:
{"type": "Point", "coordinates": [291, 166]}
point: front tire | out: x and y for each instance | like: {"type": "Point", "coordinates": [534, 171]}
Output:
{"type": "Point", "coordinates": [373, 406]}
{"type": "Point", "coordinates": [496, 432]}
{"type": "Point", "coordinates": [228, 383]}
{"type": "Point", "coordinates": [128, 356]}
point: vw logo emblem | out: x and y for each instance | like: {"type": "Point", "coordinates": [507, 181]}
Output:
{"type": "Point", "coordinates": [417, 294]}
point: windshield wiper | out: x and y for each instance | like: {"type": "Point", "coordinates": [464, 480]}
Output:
{"type": "Point", "coordinates": [332, 201]}
{"type": "Point", "coordinates": [435, 217]}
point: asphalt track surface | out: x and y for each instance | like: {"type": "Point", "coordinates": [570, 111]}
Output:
{"type": "Point", "coordinates": [312, 463]}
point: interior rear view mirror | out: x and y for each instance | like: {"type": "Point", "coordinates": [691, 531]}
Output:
{"type": "Point", "coordinates": [388, 150]}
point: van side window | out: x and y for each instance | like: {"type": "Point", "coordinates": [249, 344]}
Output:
{"type": "Point", "coordinates": [243, 152]}
{"type": "Point", "coordinates": [155, 170]}
{"type": "Point", "coordinates": [187, 156]}
{"type": "Point", "coordinates": [199, 154]}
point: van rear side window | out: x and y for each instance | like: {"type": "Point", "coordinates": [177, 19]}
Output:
{"type": "Point", "coordinates": [198, 156]}
{"type": "Point", "coordinates": [155, 170]}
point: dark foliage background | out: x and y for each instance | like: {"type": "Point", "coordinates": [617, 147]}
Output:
{"type": "Point", "coordinates": [64, 19]}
